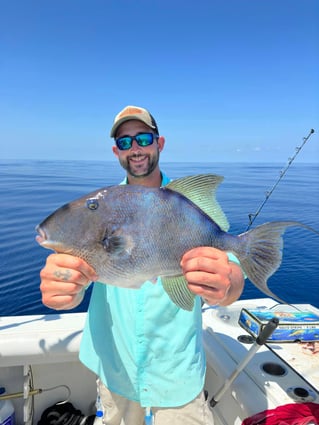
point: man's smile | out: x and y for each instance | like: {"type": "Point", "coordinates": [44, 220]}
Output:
{"type": "Point", "coordinates": [138, 159]}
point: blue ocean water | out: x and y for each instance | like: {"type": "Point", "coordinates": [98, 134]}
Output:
{"type": "Point", "coordinates": [31, 190]}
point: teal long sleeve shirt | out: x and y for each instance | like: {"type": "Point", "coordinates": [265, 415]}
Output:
{"type": "Point", "coordinates": [142, 346]}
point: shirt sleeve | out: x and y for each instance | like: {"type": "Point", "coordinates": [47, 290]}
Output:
{"type": "Point", "coordinates": [232, 257]}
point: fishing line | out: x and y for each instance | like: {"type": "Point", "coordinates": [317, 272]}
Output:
{"type": "Point", "coordinates": [253, 216]}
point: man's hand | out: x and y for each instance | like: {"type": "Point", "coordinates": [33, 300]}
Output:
{"type": "Point", "coordinates": [63, 281]}
{"type": "Point", "coordinates": [212, 276]}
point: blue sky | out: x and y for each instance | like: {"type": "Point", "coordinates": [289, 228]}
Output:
{"type": "Point", "coordinates": [227, 80]}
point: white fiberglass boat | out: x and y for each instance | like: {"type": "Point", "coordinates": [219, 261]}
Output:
{"type": "Point", "coordinates": [39, 365]}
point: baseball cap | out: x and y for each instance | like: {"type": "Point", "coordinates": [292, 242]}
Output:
{"type": "Point", "coordinates": [134, 113]}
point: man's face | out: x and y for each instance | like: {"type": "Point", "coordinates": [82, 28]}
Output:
{"type": "Point", "coordinates": [138, 161]}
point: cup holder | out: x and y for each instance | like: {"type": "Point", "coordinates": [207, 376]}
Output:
{"type": "Point", "coordinates": [301, 395]}
{"type": "Point", "coordinates": [274, 369]}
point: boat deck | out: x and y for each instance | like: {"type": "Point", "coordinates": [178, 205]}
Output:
{"type": "Point", "coordinates": [277, 374]}
{"type": "Point", "coordinates": [41, 353]}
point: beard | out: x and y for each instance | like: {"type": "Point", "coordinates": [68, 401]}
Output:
{"type": "Point", "coordinates": [140, 165]}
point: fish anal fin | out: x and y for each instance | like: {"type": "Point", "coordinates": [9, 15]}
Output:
{"type": "Point", "coordinates": [177, 289]}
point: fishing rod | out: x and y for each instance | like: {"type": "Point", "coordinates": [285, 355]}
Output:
{"type": "Point", "coordinates": [253, 216]}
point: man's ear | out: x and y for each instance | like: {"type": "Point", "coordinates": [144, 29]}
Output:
{"type": "Point", "coordinates": [161, 143]}
{"type": "Point", "coordinates": [115, 151]}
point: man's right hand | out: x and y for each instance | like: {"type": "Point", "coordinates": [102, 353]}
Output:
{"type": "Point", "coordinates": [63, 281]}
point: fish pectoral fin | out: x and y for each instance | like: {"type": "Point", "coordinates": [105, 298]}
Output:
{"type": "Point", "coordinates": [177, 289]}
{"type": "Point", "coordinates": [117, 243]}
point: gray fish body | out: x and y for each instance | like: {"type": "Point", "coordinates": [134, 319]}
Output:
{"type": "Point", "coordinates": [131, 234]}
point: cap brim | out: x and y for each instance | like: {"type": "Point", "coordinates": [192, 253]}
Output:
{"type": "Point", "coordinates": [128, 118]}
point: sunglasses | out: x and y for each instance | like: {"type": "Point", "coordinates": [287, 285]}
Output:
{"type": "Point", "coordinates": [142, 139]}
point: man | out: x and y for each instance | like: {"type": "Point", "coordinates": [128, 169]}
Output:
{"type": "Point", "coordinates": [146, 351]}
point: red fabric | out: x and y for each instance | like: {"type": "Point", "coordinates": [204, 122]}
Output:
{"type": "Point", "coordinates": [289, 414]}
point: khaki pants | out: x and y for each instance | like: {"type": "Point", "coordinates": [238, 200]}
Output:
{"type": "Point", "coordinates": [120, 411]}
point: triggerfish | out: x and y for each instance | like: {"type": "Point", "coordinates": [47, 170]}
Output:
{"type": "Point", "coordinates": [130, 234]}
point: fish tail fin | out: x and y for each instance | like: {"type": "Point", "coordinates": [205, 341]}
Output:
{"type": "Point", "coordinates": [260, 252]}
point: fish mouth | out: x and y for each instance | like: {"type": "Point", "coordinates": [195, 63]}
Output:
{"type": "Point", "coordinates": [41, 237]}
{"type": "Point", "coordinates": [44, 240]}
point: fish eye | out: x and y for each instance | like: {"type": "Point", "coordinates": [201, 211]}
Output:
{"type": "Point", "coordinates": [92, 204]}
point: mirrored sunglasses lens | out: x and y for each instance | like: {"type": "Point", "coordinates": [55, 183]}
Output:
{"type": "Point", "coordinates": [145, 139]}
{"type": "Point", "coordinates": [124, 143]}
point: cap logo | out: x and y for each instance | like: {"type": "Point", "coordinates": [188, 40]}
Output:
{"type": "Point", "coordinates": [130, 111]}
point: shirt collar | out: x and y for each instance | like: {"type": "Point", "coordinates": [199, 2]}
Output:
{"type": "Point", "coordinates": [165, 179]}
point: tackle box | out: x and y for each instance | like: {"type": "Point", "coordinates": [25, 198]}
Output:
{"type": "Point", "coordinates": [293, 325]}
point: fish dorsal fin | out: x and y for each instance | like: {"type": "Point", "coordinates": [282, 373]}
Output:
{"type": "Point", "coordinates": [177, 289]}
{"type": "Point", "coordinates": [201, 190]}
